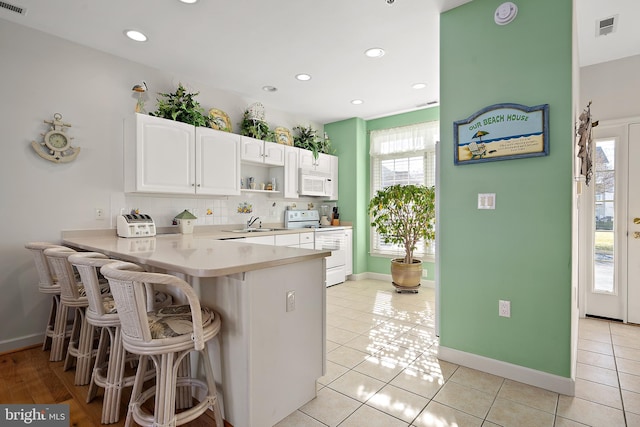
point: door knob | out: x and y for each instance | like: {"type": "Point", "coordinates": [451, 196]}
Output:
{"type": "Point", "coordinates": [636, 220]}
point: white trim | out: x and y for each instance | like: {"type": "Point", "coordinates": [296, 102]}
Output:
{"type": "Point", "coordinates": [21, 342]}
{"type": "Point", "coordinates": [387, 278]}
{"type": "Point", "coordinates": [513, 372]}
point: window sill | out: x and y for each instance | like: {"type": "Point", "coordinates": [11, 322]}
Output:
{"type": "Point", "coordinates": [424, 258]}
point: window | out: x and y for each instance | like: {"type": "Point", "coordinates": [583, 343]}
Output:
{"type": "Point", "coordinates": [604, 238]}
{"type": "Point", "coordinates": [403, 155]}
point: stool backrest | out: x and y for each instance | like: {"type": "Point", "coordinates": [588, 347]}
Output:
{"type": "Point", "coordinates": [45, 271]}
{"type": "Point", "coordinates": [88, 264]}
{"type": "Point", "coordinates": [59, 260]}
{"type": "Point", "coordinates": [130, 287]}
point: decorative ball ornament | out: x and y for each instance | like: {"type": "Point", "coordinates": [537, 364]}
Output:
{"type": "Point", "coordinates": [56, 144]}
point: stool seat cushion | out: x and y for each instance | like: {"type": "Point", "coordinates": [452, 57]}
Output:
{"type": "Point", "coordinates": [175, 320]}
{"type": "Point", "coordinates": [104, 289]}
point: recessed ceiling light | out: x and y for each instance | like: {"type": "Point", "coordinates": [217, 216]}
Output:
{"type": "Point", "coordinates": [303, 77]}
{"type": "Point", "coordinates": [374, 52]}
{"type": "Point", "coordinates": [269, 88]}
{"type": "Point", "coordinates": [357, 101]}
{"type": "Point", "coordinates": [188, 1]}
{"type": "Point", "coordinates": [419, 85]}
{"type": "Point", "coordinates": [135, 35]}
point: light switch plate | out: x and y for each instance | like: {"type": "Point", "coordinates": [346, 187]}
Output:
{"type": "Point", "coordinates": [486, 200]}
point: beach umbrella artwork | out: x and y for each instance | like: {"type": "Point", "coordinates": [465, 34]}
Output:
{"type": "Point", "coordinates": [480, 134]}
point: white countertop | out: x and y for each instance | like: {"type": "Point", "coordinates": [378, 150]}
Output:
{"type": "Point", "coordinates": [198, 255]}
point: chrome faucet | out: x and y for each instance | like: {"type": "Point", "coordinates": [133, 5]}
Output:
{"type": "Point", "coordinates": [252, 220]}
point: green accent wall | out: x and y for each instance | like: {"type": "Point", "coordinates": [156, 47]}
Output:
{"type": "Point", "coordinates": [350, 138]}
{"type": "Point", "coordinates": [521, 251]}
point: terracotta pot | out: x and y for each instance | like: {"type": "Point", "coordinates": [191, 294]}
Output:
{"type": "Point", "coordinates": [406, 275]}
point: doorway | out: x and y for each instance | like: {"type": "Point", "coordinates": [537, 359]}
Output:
{"type": "Point", "coordinates": [612, 284]}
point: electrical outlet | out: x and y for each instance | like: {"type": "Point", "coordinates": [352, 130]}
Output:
{"type": "Point", "coordinates": [504, 308]}
{"type": "Point", "coordinates": [291, 301]}
{"type": "Point", "coordinates": [99, 213]}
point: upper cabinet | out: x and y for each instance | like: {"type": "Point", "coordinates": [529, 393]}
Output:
{"type": "Point", "coordinates": [291, 173]}
{"type": "Point", "coordinates": [174, 157]}
{"type": "Point", "coordinates": [321, 164]}
{"type": "Point", "coordinates": [258, 151]}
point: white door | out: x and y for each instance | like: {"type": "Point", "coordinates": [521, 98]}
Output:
{"type": "Point", "coordinates": [633, 226]}
{"type": "Point", "coordinates": [613, 287]}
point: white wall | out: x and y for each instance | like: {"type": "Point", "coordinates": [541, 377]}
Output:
{"type": "Point", "coordinates": [41, 75]}
{"type": "Point", "coordinates": [613, 87]}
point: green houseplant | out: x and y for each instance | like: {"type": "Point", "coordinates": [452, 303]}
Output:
{"type": "Point", "coordinates": [403, 215]}
{"type": "Point", "coordinates": [306, 137]}
{"type": "Point", "coordinates": [181, 106]}
{"type": "Point", "coordinates": [256, 128]}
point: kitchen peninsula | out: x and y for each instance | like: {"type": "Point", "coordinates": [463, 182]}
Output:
{"type": "Point", "coordinates": [272, 302]}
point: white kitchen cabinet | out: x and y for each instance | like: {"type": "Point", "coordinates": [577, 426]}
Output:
{"type": "Point", "coordinates": [291, 174]}
{"type": "Point", "coordinates": [164, 156]}
{"type": "Point", "coordinates": [258, 151]}
{"type": "Point", "coordinates": [322, 164]}
{"type": "Point", "coordinates": [333, 184]}
{"type": "Point", "coordinates": [348, 247]}
{"type": "Point", "coordinates": [292, 240]}
{"type": "Point", "coordinates": [177, 158]}
{"type": "Point", "coordinates": [217, 162]}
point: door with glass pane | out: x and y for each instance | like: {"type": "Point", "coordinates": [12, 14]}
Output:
{"type": "Point", "coordinates": [607, 287]}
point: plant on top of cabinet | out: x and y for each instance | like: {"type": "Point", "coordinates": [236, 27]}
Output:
{"type": "Point", "coordinates": [256, 128]}
{"type": "Point", "coordinates": [181, 106]}
{"type": "Point", "coordinates": [307, 138]}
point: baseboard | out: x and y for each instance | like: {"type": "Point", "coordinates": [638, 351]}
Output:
{"type": "Point", "coordinates": [387, 278]}
{"type": "Point", "coordinates": [513, 372]}
{"type": "Point", "coordinates": [14, 344]}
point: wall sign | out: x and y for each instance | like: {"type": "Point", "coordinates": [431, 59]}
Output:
{"type": "Point", "coordinates": [502, 132]}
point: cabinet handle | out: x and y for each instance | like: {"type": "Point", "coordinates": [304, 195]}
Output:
{"type": "Point", "coordinates": [193, 185]}
{"type": "Point", "coordinates": [198, 185]}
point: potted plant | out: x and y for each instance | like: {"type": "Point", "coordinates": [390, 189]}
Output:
{"type": "Point", "coordinates": [403, 215]}
{"type": "Point", "coordinates": [307, 139]}
{"type": "Point", "coordinates": [181, 106]}
{"type": "Point", "coordinates": [256, 128]}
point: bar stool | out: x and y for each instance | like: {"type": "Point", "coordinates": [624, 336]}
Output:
{"type": "Point", "coordinates": [56, 330]}
{"type": "Point", "coordinates": [73, 295]}
{"type": "Point", "coordinates": [111, 358]}
{"type": "Point", "coordinates": [167, 336]}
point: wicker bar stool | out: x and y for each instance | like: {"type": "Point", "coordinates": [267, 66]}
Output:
{"type": "Point", "coordinates": [73, 295]}
{"type": "Point", "coordinates": [166, 336]}
{"type": "Point", "coordinates": [56, 330]}
{"type": "Point", "coordinates": [109, 367]}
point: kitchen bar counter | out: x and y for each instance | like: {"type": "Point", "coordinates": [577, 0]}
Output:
{"type": "Point", "coordinates": [197, 255]}
{"type": "Point", "coordinates": [272, 300]}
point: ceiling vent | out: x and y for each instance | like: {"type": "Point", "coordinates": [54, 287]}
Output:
{"type": "Point", "coordinates": [13, 8]}
{"type": "Point", "coordinates": [606, 26]}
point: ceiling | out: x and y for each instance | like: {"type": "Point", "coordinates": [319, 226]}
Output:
{"type": "Point", "coordinates": [243, 45]}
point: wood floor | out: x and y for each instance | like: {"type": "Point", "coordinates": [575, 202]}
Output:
{"type": "Point", "coordinates": [27, 376]}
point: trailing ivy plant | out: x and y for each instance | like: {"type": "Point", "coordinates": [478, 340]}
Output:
{"type": "Point", "coordinates": [181, 106]}
{"type": "Point", "coordinates": [254, 128]}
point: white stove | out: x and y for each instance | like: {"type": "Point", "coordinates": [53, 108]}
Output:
{"type": "Point", "coordinates": [325, 238]}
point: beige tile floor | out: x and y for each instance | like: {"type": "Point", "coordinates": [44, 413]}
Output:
{"type": "Point", "coordinates": [383, 370]}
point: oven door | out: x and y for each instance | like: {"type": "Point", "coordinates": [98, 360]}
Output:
{"type": "Point", "coordinates": [333, 240]}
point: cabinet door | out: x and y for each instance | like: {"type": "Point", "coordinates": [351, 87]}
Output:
{"type": "Point", "coordinates": [252, 149]}
{"type": "Point", "coordinates": [323, 163]}
{"type": "Point", "coordinates": [306, 160]}
{"type": "Point", "coordinates": [217, 162]}
{"type": "Point", "coordinates": [333, 184]}
{"type": "Point", "coordinates": [261, 240]}
{"type": "Point", "coordinates": [274, 153]}
{"type": "Point", "coordinates": [348, 247]}
{"type": "Point", "coordinates": [291, 172]}
{"type": "Point", "coordinates": [165, 155]}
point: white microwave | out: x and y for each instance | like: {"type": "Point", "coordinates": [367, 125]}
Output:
{"type": "Point", "coordinates": [312, 183]}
